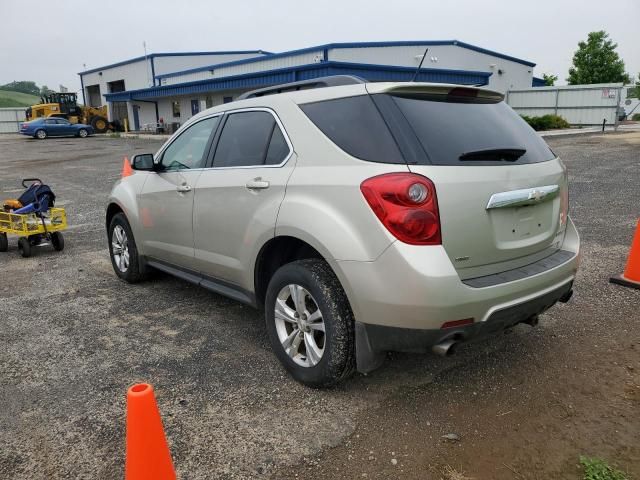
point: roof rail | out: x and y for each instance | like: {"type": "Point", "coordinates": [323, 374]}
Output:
{"type": "Point", "coordinates": [320, 82]}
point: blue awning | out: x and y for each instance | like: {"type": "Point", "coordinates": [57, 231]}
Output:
{"type": "Point", "coordinates": [370, 72]}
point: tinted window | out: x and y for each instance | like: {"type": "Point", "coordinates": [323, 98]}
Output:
{"type": "Point", "coordinates": [62, 121]}
{"type": "Point", "coordinates": [188, 150]}
{"type": "Point", "coordinates": [245, 140]}
{"type": "Point", "coordinates": [355, 125]}
{"type": "Point", "coordinates": [278, 148]}
{"type": "Point", "coordinates": [447, 130]}
{"type": "Point", "coordinates": [50, 121]}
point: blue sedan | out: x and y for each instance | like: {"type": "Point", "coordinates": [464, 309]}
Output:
{"type": "Point", "coordinates": [42, 128]}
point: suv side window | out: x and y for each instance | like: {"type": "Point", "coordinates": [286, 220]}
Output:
{"type": "Point", "coordinates": [250, 139]}
{"type": "Point", "coordinates": [188, 150]}
{"type": "Point", "coordinates": [355, 125]}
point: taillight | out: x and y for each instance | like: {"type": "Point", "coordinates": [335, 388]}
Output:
{"type": "Point", "coordinates": [407, 206]}
{"type": "Point", "coordinates": [564, 197]}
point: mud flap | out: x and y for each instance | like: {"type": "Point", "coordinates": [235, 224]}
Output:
{"type": "Point", "coordinates": [367, 360]}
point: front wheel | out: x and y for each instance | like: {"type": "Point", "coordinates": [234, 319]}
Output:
{"type": "Point", "coordinates": [82, 133]}
{"type": "Point", "coordinates": [123, 251]}
{"type": "Point", "coordinates": [310, 323]}
{"type": "Point", "coordinates": [41, 134]}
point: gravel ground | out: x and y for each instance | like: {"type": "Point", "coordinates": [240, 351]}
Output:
{"type": "Point", "coordinates": [74, 338]}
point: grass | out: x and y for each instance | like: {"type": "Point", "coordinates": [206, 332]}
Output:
{"type": "Point", "coordinates": [597, 469]}
{"type": "Point", "coordinates": [451, 473]}
{"type": "Point", "coordinates": [9, 98]}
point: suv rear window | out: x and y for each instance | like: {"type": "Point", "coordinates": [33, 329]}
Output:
{"type": "Point", "coordinates": [449, 130]}
{"type": "Point", "coordinates": [428, 130]}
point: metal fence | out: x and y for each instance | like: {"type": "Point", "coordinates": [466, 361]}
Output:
{"type": "Point", "coordinates": [10, 119]}
{"type": "Point", "coordinates": [577, 104]}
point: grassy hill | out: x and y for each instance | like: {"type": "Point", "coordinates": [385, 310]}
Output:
{"type": "Point", "coordinates": [17, 99]}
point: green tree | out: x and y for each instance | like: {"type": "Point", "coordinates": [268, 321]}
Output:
{"type": "Point", "coordinates": [44, 90]}
{"type": "Point", "coordinates": [596, 61]}
{"type": "Point", "coordinates": [549, 79]}
{"type": "Point", "coordinates": [22, 86]}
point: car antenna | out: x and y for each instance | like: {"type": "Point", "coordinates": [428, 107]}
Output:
{"type": "Point", "coordinates": [420, 66]}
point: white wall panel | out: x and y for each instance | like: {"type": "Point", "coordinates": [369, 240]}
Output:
{"type": "Point", "coordinates": [11, 118]}
{"type": "Point", "coordinates": [251, 67]}
{"type": "Point", "coordinates": [577, 104]}
{"type": "Point", "coordinates": [514, 74]}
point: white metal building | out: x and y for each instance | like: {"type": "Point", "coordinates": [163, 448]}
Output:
{"type": "Point", "coordinates": [171, 87]}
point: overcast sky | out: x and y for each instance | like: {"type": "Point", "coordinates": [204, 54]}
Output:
{"type": "Point", "coordinates": [50, 42]}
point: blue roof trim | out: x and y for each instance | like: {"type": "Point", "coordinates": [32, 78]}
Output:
{"type": "Point", "coordinates": [304, 72]}
{"type": "Point", "coordinates": [538, 82]}
{"type": "Point", "coordinates": [169, 54]}
{"type": "Point", "coordinates": [328, 46]}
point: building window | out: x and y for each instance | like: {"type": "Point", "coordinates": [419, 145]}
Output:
{"type": "Point", "coordinates": [227, 100]}
{"type": "Point", "coordinates": [209, 101]}
{"type": "Point", "coordinates": [175, 107]}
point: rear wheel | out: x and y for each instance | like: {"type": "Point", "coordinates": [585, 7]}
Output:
{"type": "Point", "coordinates": [99, 124]}
{"type": "Point", "coordinates": [57, 240]}
{"type": "Point", "coordinates": [40, 134]}
{"type": "Point", "coordinates": [310, 324]}
{"type": "Point", "coordinates": [24, 247]}
{"type": "Point", "coordinates": [82, 133]}
{"type": "Point", "coordinates": [4, 243]}
{"type": "Point", "coordinates": [123, 251]}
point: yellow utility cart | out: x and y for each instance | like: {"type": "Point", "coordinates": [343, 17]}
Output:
{"type": "Point", "coordinates": [35, 224]}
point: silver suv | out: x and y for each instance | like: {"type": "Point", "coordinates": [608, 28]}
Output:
{"type": "Point", "coordinates": [363, 218]}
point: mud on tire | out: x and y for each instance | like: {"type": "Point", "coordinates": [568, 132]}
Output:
{"type": "Point", "coordinates": [338, 360]}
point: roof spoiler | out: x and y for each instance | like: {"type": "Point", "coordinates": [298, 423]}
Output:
{"type": "Point", "coordinates": [451, 90]}
{"type": "Point", "coordinates": [321, 82]}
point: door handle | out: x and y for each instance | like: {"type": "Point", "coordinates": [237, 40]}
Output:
{"type": "Point", "coordinates": [257, 184]}
{"type": "Point", "coordinates": [183, 188]}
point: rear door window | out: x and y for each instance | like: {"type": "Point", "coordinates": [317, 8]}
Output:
{"type": "Point", "coordinates": [251, 138]}
{"type": "Point", "coordinates": [472, 133]}
{"type": "Point", "coordinates": [355, 125]}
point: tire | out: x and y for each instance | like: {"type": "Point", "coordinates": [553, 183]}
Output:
{"type": "Point", "coordinates": [320, 289]}
{"type": "Point", "coordinates": [82, 133]}
{"type": "Point", "coordinates": [57, 240]}
{"type": "Point", "coordinates": [24, 247]}
{"type": "Point", "coordinates": [40, 134]}
{"type": "Point", "coordinates": [129, 270]}
{"type": "Point", "coordinates": [99, 124]}
{"type": "Point", "coordinates": [4, 243]}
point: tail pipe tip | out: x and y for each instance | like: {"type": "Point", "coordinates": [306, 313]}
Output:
{"type": "Point", "coordinates": [445, 348]}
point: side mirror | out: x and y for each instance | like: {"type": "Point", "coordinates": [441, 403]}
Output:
{"type": "Point", "coordinates": [143, 161]}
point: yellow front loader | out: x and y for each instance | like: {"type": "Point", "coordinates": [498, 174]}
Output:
{"type": "Point", "coordinates": [65, 105]}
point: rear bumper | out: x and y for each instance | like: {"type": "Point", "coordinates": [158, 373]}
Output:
{"type": "Point", "coordinates": [417, 288]}
{"type": "Point", "coordinates": [379, 338]}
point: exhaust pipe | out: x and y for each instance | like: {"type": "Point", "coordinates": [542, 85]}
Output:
{"type": "Point", "coordinates": [445, 348]}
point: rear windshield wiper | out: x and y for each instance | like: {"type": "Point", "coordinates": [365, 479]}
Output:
{"type": "Point", "coordinates": [492, 154]}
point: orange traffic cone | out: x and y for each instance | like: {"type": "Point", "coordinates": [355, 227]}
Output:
{"type": "Point", "coordinates": [148, 456]}
{"type": "Point", "coordinates": [631, 275]}
{"type": "Point", "coordinates": [126, 168]}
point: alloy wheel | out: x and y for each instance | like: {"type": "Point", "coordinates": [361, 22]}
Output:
{"type": "Point", "coordinates": [120, 248]}
{"type": "Point", "coordinates": [299, 325]}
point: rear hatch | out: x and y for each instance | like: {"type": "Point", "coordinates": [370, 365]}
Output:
{"type": "Point", "coordinates": [502, 193]}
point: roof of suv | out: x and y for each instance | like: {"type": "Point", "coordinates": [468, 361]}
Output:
{"type": "Point", "coordinates": [328, 93]}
